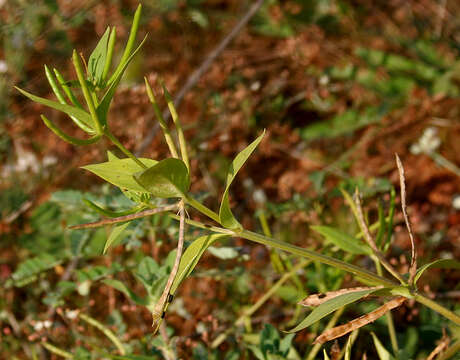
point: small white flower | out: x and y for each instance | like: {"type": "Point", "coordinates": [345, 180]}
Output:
{"type": "Point", "coordinates": [427, 143]}
{"type": "Point", "coordinates": [71, 314]}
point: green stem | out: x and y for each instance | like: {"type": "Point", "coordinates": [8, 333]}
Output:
{"type": "Point", "coordinates": [362, 273]}
{"type": "Point", "coordinates": [438, 308]}
{"type": "Point", "coordinates": [389, 317]}
{"type": "Point", "coordinates": [202, 209]}
{"type": "Point", "coordinates": [106, 331]}
{"type": "Point", "coordinates": [125, 151]}
{"type": "Point", "coordinates": [441, 160]}
{"type": "Point", "coordinates": [57, 351]}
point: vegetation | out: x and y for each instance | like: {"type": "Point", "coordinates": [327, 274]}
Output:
{"type": "Point", "coordinates": [88, 253]}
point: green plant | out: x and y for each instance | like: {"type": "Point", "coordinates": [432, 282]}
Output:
{"type": "Point", "coordinates": [164, 187]}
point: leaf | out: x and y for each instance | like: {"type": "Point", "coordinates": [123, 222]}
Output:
{"type": "Point", "coordinates": [104, 105]}
{"type": "Point", "coordinates": [350, 341]}
{"type": "Point", "coordinates": [381, 351]}
{"type": "Point", "coordinates": [120, 172]}
{"type": "Point", "coordinates": [439, 264]}
{"type": "Point", "coordinates": [97, 58]}
{"type": "Point", "coordinates": [115, 236]}
{"type": "Point", "coordinates": [132, 357]}
{"type": "Point", "coordinates": [116, 284]}
{"type": "Point", "coordinates": [166, 179]}
{"type": "Point", "coordinates": [325, 357]}
{"type": "Point", "coordinates": [80, 114]}
{"type": "Point", "coordinates": [28, 270]}
{"type": "Point", "coordinates": [343, 241]}
{"type": "Point", "coordinates": [225, 213]}
{"type": "Point", "coordinates": [330, 306]}
{"type": "Point", "coordinates": [191, 256]}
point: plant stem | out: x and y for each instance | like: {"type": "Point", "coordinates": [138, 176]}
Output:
{"type": "Point", "coordinates": [202, 209]}
{"type": "Point", "coordinates": [260, 302]}
{"type": "Point", "coordinates": [451, 351]}
{"type": "Point", "coordinates": [389, 317]}
{"type": "Point", "coordinates": [105, 330]}
{"type": "Point", "coordinates": [438, 308]}
{"type": "Point", "coordinates": [57, 351]}
{"type": "Point", "coordinates": [314, 350]}
{"type": "Point", "coordinates": [362, 273]}
{"type": "Point", "coordinates": [125, 151]}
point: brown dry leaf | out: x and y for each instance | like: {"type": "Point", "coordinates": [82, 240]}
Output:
{"type": "Point", "coordinates": [443, 344]}
{"type": "Point", "coordinates": [341, 330]}
{"type": "Point", "coordinates": [318, 299]}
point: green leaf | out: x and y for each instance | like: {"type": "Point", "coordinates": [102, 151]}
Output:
{"type": "Point", "coordinates": [191, 256]}
{"type": "Point", "coordinates": [225, 213]}
{"type": "Point", "coordinates": [28, 270]}
{"type": "Point", "coordinates": [80, 114]}
{"type": "Point", "coordinates": [351, 339]}
{"type": "Point", "coordinates": [330, 306]}
{"type": "Point", "coordinates": [97, 59]}
{"type": "Point", "coordinates": [132, 357]}
{"type": "Point", "coordinates": [115, 236]}
{"type": "Point", "coordinates": [343, 241]}
{"type": "Point", "coordinates": [120, 172]}
{"type": "Point", "coordinates": [103, 107]}
{"type": "Point", "coordinates": [116, 284]}
{"type": "Point", "coordinates": [325, 357]}
{"type": "Point", "coordinates": [166, 179]}
{"type": "Point", "coordinates": [438, 264]}
{"type": "Point", "coordinates": [381, 351]}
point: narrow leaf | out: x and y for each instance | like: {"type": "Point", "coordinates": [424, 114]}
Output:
{"type": "Point", "coordinates": [70, 139]}
{"type": "Point", "coordinates": [120, 172]}
{"type": "Point", "coordinates": [438, 264]}
{"type": "Point", "coordinates": [114, 236]}
{"type": "Point", "coordinates": [191, 256]}
{"type": "Point", "coordinates": [318, 299]}
{"type": "Point", "coordinates": [330, 306]}
{"type": "Point", "coordinates": [104, 105]}
{"type": "Point", "coordinates": [354, 324]}
{"type": "Point", "coordinates": [225, 213]}
{"type": "Point", "coordinates": [325, 357]}
{"type": "Point", "coordinates": [342, 240]}
{"type": "Point", "coordinates": [117, 284]}
{"type": "Point", "coordinates": [166, 179]}
{"type": "Point", "coordinates": [97, 59]}
{"type": "Point", "coordinates": [80, 114]}
{"type": "Point", "coordinates": [111, 213]}
{"type": "Point", "coordinates": [381, 351]}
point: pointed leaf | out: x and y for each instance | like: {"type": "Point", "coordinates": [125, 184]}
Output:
{"type": "Point", "coordinates": [383, 353]}
{"type": "Point", "coordinates": [225, 213]}
{"type": "Point", "coordinates": [80, 114]}
{"type": "Point", "coordinates": [103, 107]}
{"type": "Point", "coordinates": [117, 284]}
{"type": "Point", "coordinates": [168, 178]}
{"type": "Point", "coordinates": [191, 256]}
{"type": "Point", "coordinates": [120, 172]}
{"type": "Point", "coordinates": [114, 236]}
{"type": "Point", "coordinates": [325, 357]}
{"type": "Point", "coordinates": [439, 264]}
{"type": "Point", "coordinates": [343, 241]}
{"type": "Point", "coordinates": [330, 306]}
{"type": "Point", "coordinates": [97, 59]}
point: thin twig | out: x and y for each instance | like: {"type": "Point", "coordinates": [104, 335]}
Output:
{"type": "Point", "coordinates": [402, 181]}
{"type": "Point", "coordinates": [198, 73]}
{"type": "Point", "coordinates": [158, 312]}
{"type": "Point", "coordinates": [125, 218]}
{"type": "Point", "coordinates": [370, 240]}
{"type": "Point", "coordinates": [443, 344]}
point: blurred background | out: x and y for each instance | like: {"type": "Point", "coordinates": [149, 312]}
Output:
{"type": "Point", "coordinates": [340, 86]}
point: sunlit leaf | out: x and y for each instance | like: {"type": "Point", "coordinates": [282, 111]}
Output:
{"type": "Point", "coordinates": [114, 236]}
{"type": "Point", "coordinates": [120, 172]}
{"type": "Point", "coordinates": [344, 241]}
{"type": "Point", "coordinates": [437, 264]}
{"type": "Point", "coordinates": [97, 59]}
{"type": "Point", "coordinates": [80, 114]}
{"type": "Point", "coordinates": [191, 256]}
{"type": "Point", "coordinates": [225, 213]}
{"type": "Point", "coordinates": [168, 178]}
{"type": "Point", "coordinates": [330, 306]}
